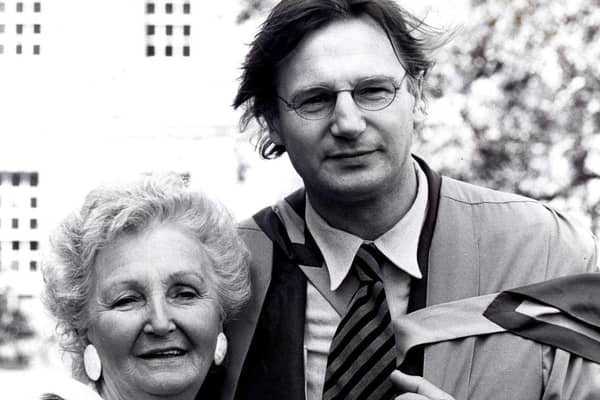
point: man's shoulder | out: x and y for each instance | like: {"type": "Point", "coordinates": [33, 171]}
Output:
{"type": "Point", "coordinates": [468, 193]}
{"type": "Point", "coordinates": [248, 225]}
{"type": "Point", "coordinates": [485, 204]}
{"type": "Point", "coordinates": [502, 218]}
{"type": "Point", "coordinates": [253, 236]}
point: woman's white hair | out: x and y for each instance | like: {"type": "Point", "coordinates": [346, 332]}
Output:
{"type": "Point", "coordinates": [109, 212]}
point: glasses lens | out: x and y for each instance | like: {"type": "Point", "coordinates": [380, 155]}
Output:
{"type": "Point", "coordinates": [375, 93]}
{"type": "Point", "coordinates": [315, 103]}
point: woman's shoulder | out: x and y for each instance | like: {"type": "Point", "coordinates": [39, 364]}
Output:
{"type": "Point", "coordinates": [68, 389]}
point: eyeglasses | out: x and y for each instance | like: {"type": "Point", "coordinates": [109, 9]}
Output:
{"type": "Point", "coordinates": [371, 94]}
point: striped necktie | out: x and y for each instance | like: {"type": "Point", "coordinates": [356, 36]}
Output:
{"type": "Point", "coordinates": [362, 354]}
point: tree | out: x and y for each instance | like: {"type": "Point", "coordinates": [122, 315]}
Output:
{"type": "Point", "coordinates": [251, 8]}
{"type": "Point", "coordinates": [516, 102]}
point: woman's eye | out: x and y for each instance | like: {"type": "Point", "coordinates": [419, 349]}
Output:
{"type": "Point", "coordinates": [186, 294]}
{"type": "Point", "coordinates": [125, 301]}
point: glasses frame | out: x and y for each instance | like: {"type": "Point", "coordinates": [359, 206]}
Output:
{"type": "Point", "coordinates": [292, 106]}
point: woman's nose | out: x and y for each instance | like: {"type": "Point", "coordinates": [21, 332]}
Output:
{"type": "Point", "coordinates": [160, 321]}
{"type": "Point", "coordinates": [347, 119]}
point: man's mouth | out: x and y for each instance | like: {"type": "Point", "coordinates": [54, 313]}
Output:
{"type": "Point", "coordinates": [350, 154]}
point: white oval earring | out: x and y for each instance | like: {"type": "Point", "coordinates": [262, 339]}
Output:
{"type": "Point", "coordinates": [220, 348]}
{"type": "Point", "coordinates": [92, 363]}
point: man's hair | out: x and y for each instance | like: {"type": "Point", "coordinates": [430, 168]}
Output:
{"type": "Point", "coordinates": [290, 21]}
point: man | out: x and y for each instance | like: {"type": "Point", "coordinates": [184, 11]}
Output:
{"type": "Point", "coordinates": [379, 264]}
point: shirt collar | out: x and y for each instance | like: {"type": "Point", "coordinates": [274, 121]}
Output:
{"type": "Point", "coordinates": [399, 244]}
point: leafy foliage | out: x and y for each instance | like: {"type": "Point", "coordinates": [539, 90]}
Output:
{"type": "Point", "coordinates": [516, 102]}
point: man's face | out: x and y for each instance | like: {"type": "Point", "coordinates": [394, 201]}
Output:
{"type": "Point", "coordinates": [352, 154]}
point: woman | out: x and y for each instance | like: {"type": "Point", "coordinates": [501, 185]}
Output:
{"type": "Point", "coordinates": [143, 279]}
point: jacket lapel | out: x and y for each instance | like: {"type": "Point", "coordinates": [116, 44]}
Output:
{"type": "Point", "coordinates": [274, 365]}
{"type": "Point", "coordinates": [413, 363]}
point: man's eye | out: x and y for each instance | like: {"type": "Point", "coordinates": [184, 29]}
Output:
{"type": "Point", "coordinates": [320, 98]}
{"type": "Point", "coordinates": [374, 91]}
{"type": "Point", "coordinates": [314, 99]}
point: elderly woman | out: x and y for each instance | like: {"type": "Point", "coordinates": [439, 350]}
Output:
{"type": "Point", "coordinates": [143, 279]}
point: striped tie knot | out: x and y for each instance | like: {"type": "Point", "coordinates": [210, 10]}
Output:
{"type": "Point", "coordinates": [368, 260]}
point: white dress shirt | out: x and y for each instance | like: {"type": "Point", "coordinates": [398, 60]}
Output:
{"type": "Point", "coordinates": [399, 245]}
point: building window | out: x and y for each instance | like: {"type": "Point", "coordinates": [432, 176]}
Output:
{"type": "Point", "coordinates": [37, 28]}
{"type": "Point", "coordinates": [33, 265]}
{"type": "Point", "coordinates": [186, 51]}
{"type": "Point", "coordinates": [15, 223]}
{"type": "Point", "coordinates": [15, 245]}
{"type": "Point", "coordinates": [176, 21]}
{"type": "Point", "coordinates": [19, 49]}
{"type": "Point", "coordinates": [33, 246]}
{"type": "Point", "coordinates": [34, 179]}
{"type": "Point", "coordinates": [37, 7]}
{"type": "Point", "coordinates": [36, 49]}
{"type": "Point", "coordinates": [14, 265]}
{"type": "Point", "coordinates": [19, 7]}
{"type": "Point", "coordinates": [2, 6]}
{"type": "Point", "coordinates": [19, 29]}
{"type": "Point", "coordinates": [33, 202]}
{"type": "Point", "coordinates": [16, 178]}
{"type": "Point", "coordinates": [150, 8]}
{"type": "Point", "coordinates": [33, 223]}
{"type": "Point", "coordinates": [1, 49]}
{"type": "Point", "coordinates": [1, 28]}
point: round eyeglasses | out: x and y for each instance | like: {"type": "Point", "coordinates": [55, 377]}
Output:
{"type": "Point", "coordinates": [371, 94]}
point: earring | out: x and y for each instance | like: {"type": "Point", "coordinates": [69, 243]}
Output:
{"type": "Point", "coordinates": [220, 348]}
{"type": "Point", "coordinates": [92, 363]}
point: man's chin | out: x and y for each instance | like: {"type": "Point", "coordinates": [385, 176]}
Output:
{"type": "Point", "coordinates": [348, 190]}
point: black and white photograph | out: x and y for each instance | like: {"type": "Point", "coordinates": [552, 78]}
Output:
{"type": "Point", "coordinates": [299, 199]}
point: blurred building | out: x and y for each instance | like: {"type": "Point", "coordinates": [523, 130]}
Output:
{"type": "Point", "coordinates": [93, 92]}
{"type": "Point", "coordinates": [19, 221]}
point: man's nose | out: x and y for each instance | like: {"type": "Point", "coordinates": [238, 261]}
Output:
{"type": "Point", "coordinates": [159, 320]}
{"type": "Point", "coordinates": [347, 118]}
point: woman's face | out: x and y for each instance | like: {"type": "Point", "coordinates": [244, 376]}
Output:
{"type": "Point", "coordinates": [154, 313]}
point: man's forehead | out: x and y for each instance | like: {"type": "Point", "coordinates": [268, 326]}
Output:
{"type": "Point", "coordinates": [348, 49]}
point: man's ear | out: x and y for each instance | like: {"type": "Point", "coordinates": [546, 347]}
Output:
{"type": "Point", "coordinates": [274, 132]}
{"type": "Point", "coordinates": [419, 112]}
{"type": "Point", "coordinates": [419, 107]}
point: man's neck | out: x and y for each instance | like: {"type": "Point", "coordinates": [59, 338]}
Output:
{"type": "Point", "coordinates": [372, 216]}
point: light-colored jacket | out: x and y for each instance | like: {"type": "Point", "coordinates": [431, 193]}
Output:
{"type": "Point", "coordinates": [481, 242]}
